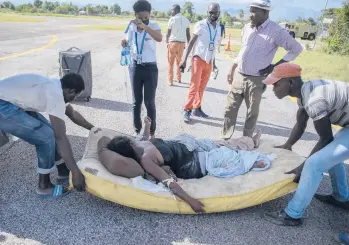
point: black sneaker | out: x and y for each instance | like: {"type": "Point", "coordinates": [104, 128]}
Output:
{"type": "Point", "coordinates": [187, 116]}
{"type": "Point", "coordinates": [199, 113]}
{"type": "Point", "coordinates": [282, 219]}
{"type": "Point", "coordinates": [329, 199]}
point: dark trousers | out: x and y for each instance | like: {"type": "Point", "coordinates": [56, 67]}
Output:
{"type": "Point", "coordinates": [144, 77]}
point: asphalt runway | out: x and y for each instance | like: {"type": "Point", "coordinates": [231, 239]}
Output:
{"type": "Point", "coordinates": [81, 218]}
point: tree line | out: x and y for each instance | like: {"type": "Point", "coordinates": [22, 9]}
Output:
{"type": "Point", "coordinates": [39, 6]}
{"type": "Point", "coordinates": [56, 7]}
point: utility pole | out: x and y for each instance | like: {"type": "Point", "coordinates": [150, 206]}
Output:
{"type": "Point", "coordinates": [322, 24]}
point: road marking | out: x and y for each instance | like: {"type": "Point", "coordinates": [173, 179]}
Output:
{"type": "Point", "coordinates": [53, 41]}
{"type": "Point", "coordinates": [291, 98]}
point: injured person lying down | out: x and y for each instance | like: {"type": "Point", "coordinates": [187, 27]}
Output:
{"type": "Point", "coordinates": [184, 157]}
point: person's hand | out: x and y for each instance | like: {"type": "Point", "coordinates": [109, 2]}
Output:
{"type": "Point", "coordinates": [139, 23]}
{"type": "Point", "coordinates": [182, 66]}
{"type": "Point", "coordinates": [298, 172]}
{"type": "Point", "coordinates": [147, 121]}
{"type": "Point", "coordinates": [124, 43]}
{"type": "Point", "coordinates": [266, 71]}
{"type": "Point", "coordinates": [230, 79]}
{"type": "Point", "coordinates": [284, 146]}
{"type": "Point", "coordinates": [196, 205]}
{"type": "Point", "coordinates": [78, 180]}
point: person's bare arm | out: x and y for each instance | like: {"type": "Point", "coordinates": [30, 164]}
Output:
{"type": "Point", "coordinates": [155, 34]}
{"type": "Point", "coordinates": [114, 164]}
{"type": "Point", "coordinates": [324, 130]}
{"type": "Point", "coordinates": [188, 34]}
{"type": "Point", "coordinates": [77, 118]}
{"type": "Point", "coordinates": [190, 47]}
{"type": "Point", "coordinates": [231, 73]}
{"type": "Point", "coordinates": [298, 130]}
{"type": "Point", "coordinates": [168, 35]}
{"type": "Point", "coordinates": [66, 152]}
{"type": "Point", "coordinates": [159, 174]}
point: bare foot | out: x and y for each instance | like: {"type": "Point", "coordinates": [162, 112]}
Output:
{"type": "Point", "coordinates": [257, 138]}
{"type": "Point", "coordinates": [259, 164]}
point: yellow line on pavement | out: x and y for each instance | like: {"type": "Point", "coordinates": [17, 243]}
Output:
{"type": "Point", "coordinates": [53, 41]}
{"type": "Point", "coordinates": [292, 98]}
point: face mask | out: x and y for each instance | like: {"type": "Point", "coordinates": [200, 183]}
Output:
{"type": "Point", "coordinates": [145, 22]}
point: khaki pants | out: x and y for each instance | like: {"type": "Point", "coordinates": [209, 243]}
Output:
{"type": "Point", "coordinates": [175, 53]}
{"type": "Point", "coordinates": [246, 88]}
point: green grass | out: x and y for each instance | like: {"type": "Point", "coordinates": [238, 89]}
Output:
{"type": "Point", "coordinates": [16, 18]}
{"type": "Point", "coordinates": [116, 27]}
{"type": "Point", "coordinates": [316, 64]}
{"type": "Point", "coordinates": [234, 33]}
{"type": "Point", "coordinates": [319, 65]}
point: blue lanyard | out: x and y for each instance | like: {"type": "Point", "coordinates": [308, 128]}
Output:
{"type": "Point", "coordinates": [142, 44]}
{"type": "Point", "coordinates": [215, 34]}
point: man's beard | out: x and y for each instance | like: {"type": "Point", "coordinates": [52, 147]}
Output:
{"type": "Point", "coordinates": [145, 22]}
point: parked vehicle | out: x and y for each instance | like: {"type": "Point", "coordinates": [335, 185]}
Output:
{"type": "Point", "coordinates": [301, 30]}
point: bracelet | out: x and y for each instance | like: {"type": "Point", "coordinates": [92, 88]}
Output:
{"type": "Point", "coordinates": [169, 181]}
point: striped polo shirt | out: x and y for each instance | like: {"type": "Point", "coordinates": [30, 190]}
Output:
{"type": "Point", "coordinates": [323, 98]}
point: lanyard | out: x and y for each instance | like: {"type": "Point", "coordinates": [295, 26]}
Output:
{"type": "Point", "coordinates": [215, 34]}
{"type": "Point", "coordinates": [142, 44]}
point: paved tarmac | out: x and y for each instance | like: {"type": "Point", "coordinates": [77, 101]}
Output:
{"type": "Point", "coordinates": [81, 218]}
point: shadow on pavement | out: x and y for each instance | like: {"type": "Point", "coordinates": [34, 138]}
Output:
{"type": "Point", "coordinates": [106, 105]}
{"type": "Point", "coordinates": [208, 89]}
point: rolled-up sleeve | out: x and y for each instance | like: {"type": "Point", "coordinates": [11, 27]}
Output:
{"type": "Point", "coordinates": [290, 44]}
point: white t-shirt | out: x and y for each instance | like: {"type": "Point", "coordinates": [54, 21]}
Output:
{"type": "Point", "coordinates": [178, 25]}
{"type": "Point", "coordinates": [201, 47]}
{"type": "Point", "coordinates": [33, 92]}
{"type": "Point", "coordinates": [149, 49]}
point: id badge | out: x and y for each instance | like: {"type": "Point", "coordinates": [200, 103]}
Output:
{"type": "Point", "coordinates": [139, 59]}
{"type": "Point", "coordinates": [211, 47]}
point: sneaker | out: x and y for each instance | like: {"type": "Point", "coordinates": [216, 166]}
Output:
{"type": "Point", "coordinates": [199, 113]}
{"type": "Point", "coordinates": [329, 199]}
{"type": "Point", "coordinates": [282, 219]}
{"type": "Point", "coordinates": [187, 116]}
{"type": "Point", "coordinates": [342, 239]}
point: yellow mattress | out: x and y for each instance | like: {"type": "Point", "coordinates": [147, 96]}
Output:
{"type": "Point", "coordinates": [217, 194]}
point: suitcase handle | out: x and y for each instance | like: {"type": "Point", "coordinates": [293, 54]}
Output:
{"type": "Point", "coordinates": [73, 48]}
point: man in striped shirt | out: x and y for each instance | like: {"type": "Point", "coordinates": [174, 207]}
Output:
{"type": "Point", "coordinates": [260, 40]}
{"type": "Point", "coordinates": [326, 102]}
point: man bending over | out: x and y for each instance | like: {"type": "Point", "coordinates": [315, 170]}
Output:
{"type": "Point", "coordinates": [22, 97]}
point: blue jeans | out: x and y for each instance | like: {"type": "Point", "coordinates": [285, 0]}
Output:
{"type": "Point", "coordinates": [33, 128]}
{"type": "Point", "coordinates": [329, 159]}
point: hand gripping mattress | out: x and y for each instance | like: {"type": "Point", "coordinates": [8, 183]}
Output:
{"type": "Point", "coordinates": [217, 194]}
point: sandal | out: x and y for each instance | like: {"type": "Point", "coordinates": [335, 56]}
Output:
{"type": "Point", "coordinates": [342, 239]}
{"type": "Point", "coordinates": [57, 192]}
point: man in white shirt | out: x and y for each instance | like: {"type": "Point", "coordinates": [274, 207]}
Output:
{"type": "Point", "coordinates": [22, 98]}
{"type": "Point", "coordinates": [206, 37]}
{"type": "Point", "coordinates": [177, 34]}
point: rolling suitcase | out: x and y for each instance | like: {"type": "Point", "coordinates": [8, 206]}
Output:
{"type": "Point", "coordinates": [77, 61]}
